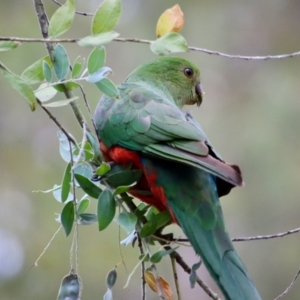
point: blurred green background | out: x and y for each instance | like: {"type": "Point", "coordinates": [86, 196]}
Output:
{"type": "Point", "coordinates": [250, 112]}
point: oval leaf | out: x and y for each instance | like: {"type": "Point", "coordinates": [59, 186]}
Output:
{"type": "Point", "coordinates": [61, 62]}
{"type": "Point", "coordinates": [172, 20]}
{"type": "Point", "coordinates": [99, 75]}
{"type": "Point", "coordinates": [111, 278]}
{"type": "Point", "coordinates": [69, 288]}
{"type": "Point", "coordinates": [83, 205]}
{"type": "Point", "coordinates": [149, 228]}
{"type": "Point", "coordinates": [67, 217]}
{"type": "Point", "coordinates": [162, 218]}
{"type": "Point", "coordinates": [77, 67]}
{"type": "Point", "coordinates": [45, 93]}
{"type": "Point", "coordinates": [35, 73]}
{"type": "Point", "coordinates": [88, 187]}
{"type": "Point", "coordinates": [60, 103]}
{"type": "Point", "coordinates": [127, 221]}
{"type": "Point", "coordinates": [8, 45]}
{"type": "Point", "coordinates": [87, 219]}
{"type": "Point", "coordinates": [66, 183]}
{"type": "Point", "coordinates": [47, 71]}
{"type": "Point", "coordinates": [20, 85]}
{"type": "Point", "coordinates": [156, 257]}
{"type": "Point", "coordinates": [69, 86]}
{"type": "Point", "coordinates": [62, 19]}
{"type": "Point", "coordinates": [96, 59]}
{"type": "Point", "coordinates": [106, 209]}
{"type": "Point", "coordinates": [107, 16]}
{"type": "Point", "coordinates": [107, 87]}
{"type": "Point", "coordinates": [97, 40]}
{"type": "Point", "coordinates": [171, 42]}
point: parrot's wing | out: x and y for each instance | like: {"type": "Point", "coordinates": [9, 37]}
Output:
{"type": "Point", "coordinates": [146, 120]}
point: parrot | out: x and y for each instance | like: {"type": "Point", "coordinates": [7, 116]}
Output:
{"type": "Point", "coordinates": [181, 171]}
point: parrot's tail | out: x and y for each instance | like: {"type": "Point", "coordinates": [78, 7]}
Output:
{"type": "Point", "coordinates": [191, 196]}
{"type": "Point", "coordinates": [220, 258]}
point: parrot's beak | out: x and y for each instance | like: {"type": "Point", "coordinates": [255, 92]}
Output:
{"type": "Point", "coordinates": [199, 93]}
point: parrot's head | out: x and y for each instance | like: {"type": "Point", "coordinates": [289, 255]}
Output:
{"type": "Point", "coordinates": [178, 77]}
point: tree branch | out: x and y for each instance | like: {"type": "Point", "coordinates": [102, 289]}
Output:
{"type": "Point", "coordinates": [142, 41]}
{"type": "Point", "coordinates": [266, 237]}
{"type": "Point", "coordinates": [44, 24]}
{"type": "Point", "coordinates": [289, 287]}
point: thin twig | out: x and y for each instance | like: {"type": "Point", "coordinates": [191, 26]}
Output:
{"type": "Point", "coordinates": [57, 123]}
{"type": "Point", "coordinates": [76, 212]}
{"type": "Point", "coordinates": [47, 246]}
{"type": "Point", "coordinates": [289, 287]}
{"type": "Point", "coordinates": [143, 287]}
{"type": "Point", "coordinates": [175, 278]}
{"type": "Point", "coordinates": [266, 237]}
{"type": "Point", "coordinates": [76, 12]}
{"type": "Point", "coordinates": [135, 40]}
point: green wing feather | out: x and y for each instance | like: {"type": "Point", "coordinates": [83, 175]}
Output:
{"type": "Point", "coordinates": [145, 120]}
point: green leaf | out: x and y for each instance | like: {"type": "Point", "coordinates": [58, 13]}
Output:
{"type": "Point", "coordinates": [83, 205]}
{"type": "Point", "coordinates": [64, 146]}
{"type": "Point", "coordinates": [156, 257]}
{"type": "Point", "coordinates": [149, 228]}
{"type": "Point", "coordinates": [106, 209]}
{"type": "Point", "coordinates": [163, 218]}
{"type": "Point", "coordinates": [103, 169]}
{"type": "Point", "coordinates": [107, 87]}
{"type": "Point", "coordinates": [67, 217]}
{"type": "Point", "coordinates": [34, 73]}
{"type": "Point", "coordinates": [69, 86]}
{"type": "Point", "coordinates": [69, 288]}
{"type": "Point", "coordinates": [171, 42]}
{"type": "Point", "coordinates": [111, 278]}
{"type": "Point", "coordinates": [106, 16]}
{"type": "Point", "coordinates": [84, 169]}
{"type": "Point", "coordinates": [127, 221]}
{"type": "Point", "coordinates": [123, 178]}
{"type": "Point", "coordinates": [144, 257]}
{"type": "Point", "coordinates": [45, 93]}
{"type": "Point", "coordinates": [95, 146]}
{"type": "Point", "coordinates": [8, 45]}
{"type": "Point", "coordinates": [88, 187]}
{"type": "Point", "coordinates": [47, 71]}
{"type": "Point", "coordinates": [62, 19]}
{"type": "Point", "coordinates": [61, 62]}
{"type": "Point", "coordinates": [123, 189]}
{"type": "Point", "coordinates": [141, 209]}
{"type": "Point", "coordinates": [20, 85]}
{"type": "Point", "coordinates": [77, 67]}
{"type": "Point", "coordinates": [87, 219]}
{"type": "Point", "coordinates": [99, 75]}
{"type": "Point", "coordinates": [98, 40]}
{"type": "Point", "coordinates": [57, 195]}
{"type": "Point", "coordinates": [60, 103]}
{"type": "Point", "coordinates": [96, 59]}
{"type": "Point", "coordinates": [66, 183]}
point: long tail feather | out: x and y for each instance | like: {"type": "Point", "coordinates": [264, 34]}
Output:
{"type": "Point", "coordinates": [191, 195]}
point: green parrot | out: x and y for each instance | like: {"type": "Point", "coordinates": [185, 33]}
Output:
{"type": "Point", "coordinates": [182, 172]}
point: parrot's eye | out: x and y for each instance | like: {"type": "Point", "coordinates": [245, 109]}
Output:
{"type": "Point", "coordinates": [188, 72]}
